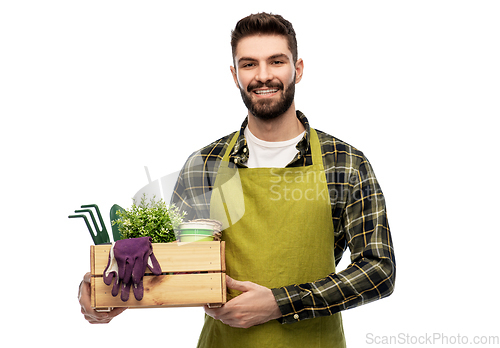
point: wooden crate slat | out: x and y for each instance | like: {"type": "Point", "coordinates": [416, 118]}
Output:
{"type": "Point", "coordinates": [166, 291]}
{"type": "Point", "coordinates": [173, 257]}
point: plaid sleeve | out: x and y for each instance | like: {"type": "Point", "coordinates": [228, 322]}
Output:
{"type": "Point", "coordinates": [194, 185]}
{"type": "Point", "coordinates": [360, 221]}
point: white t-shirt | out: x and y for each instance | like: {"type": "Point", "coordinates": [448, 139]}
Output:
{"type": "Point", "coordinates": [270, 154]}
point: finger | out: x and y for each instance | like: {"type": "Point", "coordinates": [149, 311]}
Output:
{"type": "Point", "coordinates": [208, 310]}
{"type": "Point", "coordinates": [84, 292]}
{"type": "Point", "coordinates": [108, 315]}
{"type": "Point", "coordinates": [97, 320]}
{"type": "Point", "coordinates": [95, 317]}
{"type": "Point", "coordinates": [84, 298]}
{"type": "Point", "coordinates": [222, 314]}
{"type": "Point", "coordinates": [85, 282]}
{"type": "Point", "coordinates": [138, 290]}
{"type": "Point", "coordinates": [214, 312]}
{"type": "Point", "coordinates": [139, 269]}
{"type": "Point", "coordinates": [125, 291]}
{"type": "Point", "coordinates": [88, 312]}
{"type": "Point", "coordinates": [236, 284]}
{"type": "Point", "coordinates": [91, 315]}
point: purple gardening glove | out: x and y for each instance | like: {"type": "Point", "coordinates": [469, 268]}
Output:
{"type": "Point", "coordinates": [127, 263]}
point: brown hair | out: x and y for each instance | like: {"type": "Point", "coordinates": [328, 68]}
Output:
{"type": "Point", "coordinates": [264, 23]}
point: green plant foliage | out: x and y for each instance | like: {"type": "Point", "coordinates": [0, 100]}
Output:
{"type": "Point", "coordinates": [150, 219]}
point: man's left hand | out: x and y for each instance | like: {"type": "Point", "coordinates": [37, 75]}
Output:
{"type": "Point", "coordinates": [256, 305]}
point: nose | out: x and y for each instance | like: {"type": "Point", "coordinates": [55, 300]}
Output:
{"type": "Point", "coordinates": [264, 74]}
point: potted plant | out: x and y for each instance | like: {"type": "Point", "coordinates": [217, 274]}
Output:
{"type": "Point", "coordinates": [150, 218]}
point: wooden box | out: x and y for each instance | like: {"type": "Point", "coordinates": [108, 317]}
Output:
{"type": "Point", "coordinates": [193, 275]}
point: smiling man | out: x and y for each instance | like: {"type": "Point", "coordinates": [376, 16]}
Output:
{"type": "Point", "coordinates": [266, 73]}
{"type": "Point", "coordinates": [305, 195]}
{"type": "Point", "coordinates": [292, 199]}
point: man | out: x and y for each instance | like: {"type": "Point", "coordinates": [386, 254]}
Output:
{"type": "Point", "coordinates": [291, 199]}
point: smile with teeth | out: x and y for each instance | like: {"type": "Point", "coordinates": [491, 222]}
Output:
{"type": "Point", "coordinates": [266, 91]}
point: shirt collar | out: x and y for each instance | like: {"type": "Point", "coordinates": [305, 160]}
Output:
{"type": "Point", "coordinates": [239, 154]}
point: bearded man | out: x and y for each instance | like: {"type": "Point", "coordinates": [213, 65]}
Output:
{"type": "Point", "coordinates": [291, 199]}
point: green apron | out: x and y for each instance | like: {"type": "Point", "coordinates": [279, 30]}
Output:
{"type": "Point", "coordinates": [279, 232]}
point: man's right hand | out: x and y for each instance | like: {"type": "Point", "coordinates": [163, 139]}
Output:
{"type": "Point", "coordinates": [90, 314]}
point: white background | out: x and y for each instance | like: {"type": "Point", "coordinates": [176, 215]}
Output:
{"type": "Point", "coordinates": [93, 91]}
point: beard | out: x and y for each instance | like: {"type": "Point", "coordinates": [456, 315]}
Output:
{"type": "Point", "coordinates": [267, 109]}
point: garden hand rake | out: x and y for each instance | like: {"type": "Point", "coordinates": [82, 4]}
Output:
{"type": "Point", "coordinates": [101, 236]}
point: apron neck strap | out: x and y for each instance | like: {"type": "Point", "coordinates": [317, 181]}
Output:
{"type": "Point", "coordinates": [315, 147]}
{"type": "Point", "coordinates": [313, 143]}
{"type": "Point", "coordinates": [230, 147]}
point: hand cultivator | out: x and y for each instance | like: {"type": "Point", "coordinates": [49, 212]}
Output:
{"type": "Point", "coordinates": [100, 236]}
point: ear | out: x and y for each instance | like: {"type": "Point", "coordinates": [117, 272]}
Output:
{"type": "Point", "coordinates": [235, 76]}
{"type": "Point", "coordinates": [299, 70]}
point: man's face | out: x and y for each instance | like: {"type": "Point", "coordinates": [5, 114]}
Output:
{"type": "Point", "coordinates": [265, 74]}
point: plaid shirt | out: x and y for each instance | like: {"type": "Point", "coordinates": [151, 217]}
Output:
{"type": "Point", "coordinates": [358, 214]}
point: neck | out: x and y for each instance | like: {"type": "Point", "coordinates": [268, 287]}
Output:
{"type": "Point", "coordinates": [284, 127]}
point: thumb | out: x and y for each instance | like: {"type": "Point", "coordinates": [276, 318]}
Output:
{"type": "Point", "coordinates": [236, 284]}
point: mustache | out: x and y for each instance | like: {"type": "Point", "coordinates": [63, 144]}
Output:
{"type": "Point", "coordinates": [253, 86]}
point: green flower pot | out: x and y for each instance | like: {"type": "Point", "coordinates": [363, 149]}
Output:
{"type": "Point", "coordinates": [195, 232]}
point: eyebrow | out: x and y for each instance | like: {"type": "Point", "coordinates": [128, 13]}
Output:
{"type": "Point", "coordinates": [274, 56]}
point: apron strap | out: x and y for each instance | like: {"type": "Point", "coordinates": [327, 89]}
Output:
{"type": "Point", "coordinates": [230, 147]}
{"type": "Point", "coordinates": [313, 143]}
{"type": "Point", "coordinates": [315, 148]}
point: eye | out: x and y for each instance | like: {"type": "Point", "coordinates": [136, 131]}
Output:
{"type": "Point", "coordinates": [247, 65]}
{"type": "Point", "coordinates": [277, 62]}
